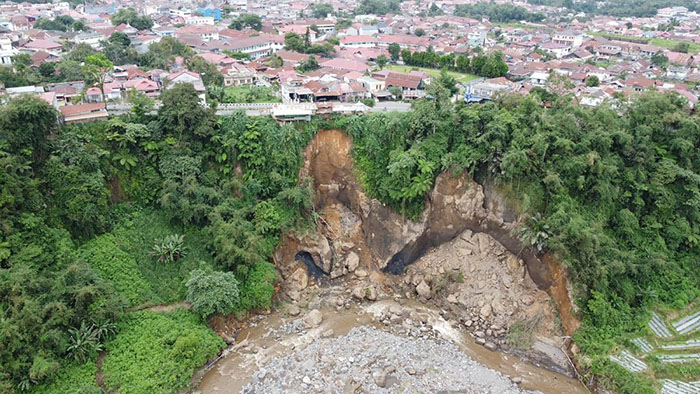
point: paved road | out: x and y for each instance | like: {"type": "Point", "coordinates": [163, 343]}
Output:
{"type": "Point", "coordinates": [384, 106]}
{"type": "Point", "coordinates": [389, 106]}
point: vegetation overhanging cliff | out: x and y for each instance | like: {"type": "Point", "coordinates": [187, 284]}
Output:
{"type": "Point", "coordinates": [613, 192]}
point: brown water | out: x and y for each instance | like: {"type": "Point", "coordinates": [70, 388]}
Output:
{"type": "Point", "coordinates": [255, 347]}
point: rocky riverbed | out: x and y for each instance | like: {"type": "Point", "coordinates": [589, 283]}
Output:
{"type": "Point", "coordinates": [371, 296]}
{"type": "Point", "coordinates": [333, 342]}
{"type": "Point", "coordinates": [370, 360]}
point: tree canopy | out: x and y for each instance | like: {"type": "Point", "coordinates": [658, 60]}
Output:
{"type": "Point", "coordinates": [131, 17]}
{"type": "Point", "coordinates": [251, 21]}
{"type": "Point", "coordinates": [322, 10]}
{"type": "Point", "coordinates": [498, 13]}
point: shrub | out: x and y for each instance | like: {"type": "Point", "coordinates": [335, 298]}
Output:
{"type": "Point", "coordinates": [368, 102]}
{"type": "Point", "coordinates": [73, 378]}
{"type": "Point", "coordinates": [170, 249]}
{"type": "Point", "coordinates": [258, 287]}
{"type": "Point", "coordinates": [212, 292]}
{"type": "Point", "coordinates": [116, 267]}
{"type": "Point", "coordinates": [84, 342]}
{"type": "Point", "coordinates": [158, 352]}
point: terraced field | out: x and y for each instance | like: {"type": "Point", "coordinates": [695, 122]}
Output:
{"type": "Point", "coordinates": [670, 347]}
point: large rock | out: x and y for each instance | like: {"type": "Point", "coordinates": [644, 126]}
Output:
{"type": "Point", "coordinates": [352, 261]}
{"type": "Point", "coordinates": [423, 290]}
{"type": "Point", "coordinates": [293, 310]}
{"type": "Point", "coordinates": [325, 254]}
{"type": "Point", "coordinates": [371, 293]}
{"type": "Point", "coordinates": [485, 311]}
{"type": "Point", "coordinates": [298, 280]}
{"type": "Point", "coordinates": [358, 293]}
{"type": "Point", "coordinates": [313, 319]}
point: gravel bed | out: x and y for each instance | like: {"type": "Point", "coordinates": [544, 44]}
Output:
{"type": "Point", "coordinates": [369, 360]}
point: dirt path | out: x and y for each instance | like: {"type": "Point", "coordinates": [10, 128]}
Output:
{"type": "Point", "coordinates": [99, 376]}
{"type": "Point", "coordinates": [161, 308]}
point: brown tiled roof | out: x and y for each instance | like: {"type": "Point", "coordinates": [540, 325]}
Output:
{"type": "Point", "coordinates": [69, 110]}
{"type": "Point", "coordinates": [402, 80]}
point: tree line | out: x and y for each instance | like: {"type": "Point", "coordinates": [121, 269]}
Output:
{"type": "Point", "coordinates": [490, 65]}
{"type": "Point", "coordinates": [497, 13]}
{"type": "Point", "coordinates": [74, 254]}
{"type": "Point", "coordinates": [621, 8]}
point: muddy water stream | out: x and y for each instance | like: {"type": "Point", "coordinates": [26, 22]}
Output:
{"type": "Point", "coordinates": [257, 345]}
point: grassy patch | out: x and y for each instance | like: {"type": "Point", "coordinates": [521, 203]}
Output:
{"type": "Point", "coordinates": [688, 371]}
{"type": "Point", "coordinates": [250, 94]}
{"type": "Point", "coordinates": [124, 258]}
{"type": "Point", "coordinates": [522, 334]}
{"type": "Point", "coordinates": [659, 42]}
{"type": "Point", "coordinates": [158, 352]}
{"type": "Point", "coordinates": [516, 25]}
{"type": "Point", "coordinates": [72, 379]}
{"type": "Point", "coordinates": [137, 235]}
{"type": "Point", "coordinates": [460, 77]}
{"type": "Point", "coordinates": [117, 267]}
{"type": "Point", "coordinates": [613, 376]}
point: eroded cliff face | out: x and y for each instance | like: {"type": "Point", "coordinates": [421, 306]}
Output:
{"type": "Point", "coordinates": [360, 235]}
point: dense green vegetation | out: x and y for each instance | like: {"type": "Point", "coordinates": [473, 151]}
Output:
{"type": "Point", "coordinates": [243, 94]}
{"type": "Point", "coordinates": [615, 194]}
{"type": "Point", "coordinates": [101, 218]}
{"type": "Point", "coordinates": [61, 23]}
{"type": "Point", "coordinates": [378, 7]}
{"type": "Point", "coordinates": [158, 352]}
{"type": "Point", "coordinates": [72, 378]}
{"type": "Point", "coordinates": [497, 13]}
{"type": "Point", "coordinates": [492, 65]}
{"type": "Point", "coordinates": [250, 21]}
{"type": "Point", "coordinates": [620, 8]}
{"type": "Point", "coordinates": [322, 10]}
{"type": "Point", "coordinates": [131, 17]}
{"type": "Point", "coordinates": [302, 44]}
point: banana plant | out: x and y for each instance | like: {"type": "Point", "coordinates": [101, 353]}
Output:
{"type": "Point", "coordinates": [125, 159]}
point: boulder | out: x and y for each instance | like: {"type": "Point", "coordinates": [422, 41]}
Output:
{"type": "Point", "coordinates": [423, 290]}
{"type": "Point", "coordinates": [313, 319]}
{"type": "Point", "coordinates": [325, 254]}
{"type": "Point", "coordinates": [298, 280]}
{"type": "Point", "coordinates": [352, 261]}
{"type": "Point", "coordinates": [359, 293]}
{"type": "Point", "coordinates": [337, 272]}
{"type": "Point", "coordinates": [485, 311]}
{"type": "Point", "coordinates": [295, 295]}
{"type": "Point", "coordinates": [293, 310]}
{"type": "Point", "coordinates": [371, 293]}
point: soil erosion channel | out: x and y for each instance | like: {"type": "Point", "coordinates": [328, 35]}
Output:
{"type": "Point", "coordinates": [375, 302]}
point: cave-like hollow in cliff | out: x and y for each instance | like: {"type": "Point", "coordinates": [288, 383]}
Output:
{"type": "Point", "coordinates": [410, 253]}
{"type": "Point", "coordinates": [314, 271]}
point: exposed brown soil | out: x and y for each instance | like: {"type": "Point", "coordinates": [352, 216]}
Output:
{"type": "Point", "coordinates": [100, 375]}
{"type": "Point", "coordinates": [161, 308]}
{"type": "Point", "coordinates": [353, 225]}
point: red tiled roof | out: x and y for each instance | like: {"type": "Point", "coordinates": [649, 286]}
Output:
{"type": "Point", "coordinates": [402, 80]}
{"type": "Point", "coordinates": [43, 44]}
{"type": "Point", "coordinates": [69, 110]}
{"type": "Point", "coordinates": [345, 64]}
